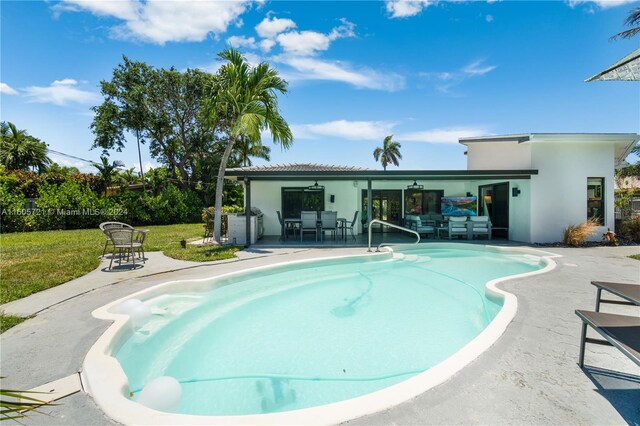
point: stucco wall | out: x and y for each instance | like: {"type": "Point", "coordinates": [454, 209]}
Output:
{"type": "Point", "coordinates": [559, 191]}
{"type": "Point", "coordinates": [498, 156]}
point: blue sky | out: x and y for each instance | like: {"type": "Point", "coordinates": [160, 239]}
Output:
{"type": "Point", "coordinates": [427, 72]}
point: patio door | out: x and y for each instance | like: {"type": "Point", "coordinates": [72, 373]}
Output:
{"type": "Point", "coordinates": [493, 201]}
{"type": "Point", "coordinates": [387, 206]}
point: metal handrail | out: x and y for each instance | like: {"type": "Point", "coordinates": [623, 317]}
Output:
{"type": "Point", "coordinates": [393, 226]}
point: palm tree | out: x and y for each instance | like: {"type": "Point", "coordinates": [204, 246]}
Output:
{"type": "Point", "coordinates": [106, 170]}
{"type": "Point", "coordinates": [246, 99]}
{"type": "Point", "coordinates": [245, 149]}
{"type": "Point", "coordinates": [632, 19]}
{"type": "Point", "coordinates": [388, 153]}
{"type": "Point", "coordinates": [20, 151]}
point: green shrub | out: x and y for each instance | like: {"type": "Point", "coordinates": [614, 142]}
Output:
{"type": "Point", "coordinates": [630, 228]}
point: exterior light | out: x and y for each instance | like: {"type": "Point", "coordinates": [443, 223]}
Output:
{"type": "Point", "coordinates": [316, 187]}
{"type": "Point", "coordinates": [415, 186]}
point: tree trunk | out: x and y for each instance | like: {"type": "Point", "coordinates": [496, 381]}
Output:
{"type": "Point", "coordinates": [217, 223]}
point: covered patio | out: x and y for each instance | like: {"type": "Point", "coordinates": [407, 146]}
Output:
{"type": "Point", "coordinates": [282, 192]}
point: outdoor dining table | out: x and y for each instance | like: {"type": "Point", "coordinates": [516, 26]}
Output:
{"type": "Point", "coordinates": [298, 220]}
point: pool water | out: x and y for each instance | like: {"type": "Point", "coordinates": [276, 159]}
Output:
{"type": "Point", "coordinates": [310, 334]}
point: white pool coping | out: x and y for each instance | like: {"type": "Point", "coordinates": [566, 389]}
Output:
{"type": "Point", "coordinates": [103, 377]}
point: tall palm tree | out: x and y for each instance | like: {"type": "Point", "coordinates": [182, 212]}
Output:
{"type": "Point", "coordinates": [632, 19]}
{"type": "Point", "coordinates": [107, 171]}
{"type": "Point", "coordinates": [20, 151]}
{"type": "Point", "coordinates": [245, 149]}
{"type": "Point", "coordinates": [246, 98]}
{"type": "Point", "coordinates": [389, 152]}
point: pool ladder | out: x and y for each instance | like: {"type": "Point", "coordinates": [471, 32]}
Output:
{"type": "Point", "coordinates": [393, 226]}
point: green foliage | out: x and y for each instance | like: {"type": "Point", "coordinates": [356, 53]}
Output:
{"type": "Point", "coordinates": [8, 321]}
{"type": "Point", "coordinates": [161, 107]}
{"type": "Point", "coordinates": [389, 152]}
{"type": "Point", "coordinates": [630, 228]}
{"type": "Point", "coordinates": [20, 151]}
{"type": "Point", "coordinates": [15, 403]}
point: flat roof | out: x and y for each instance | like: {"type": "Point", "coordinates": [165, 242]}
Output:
{"type": "Point", "coordinates": [293, 172]}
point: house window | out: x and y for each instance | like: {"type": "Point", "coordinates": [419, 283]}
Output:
{"type": "Point", "coordinates": [422, 202]}
{"type": "Point", "coordinates": [295, 200]}
{"type": "Point", "coordinates": [595, 199]}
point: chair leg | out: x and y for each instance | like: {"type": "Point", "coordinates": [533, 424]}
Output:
{"type": "Point", "coordinates": [105, 248]}
{"type": "Point", "coordinates": [598, 295]}
{"type": "Point", "coordinates": [583, 337]}
{"type": "Point", "coordinates": [133, 257]}
{"type": "Point", "coordinates": [112, 256]}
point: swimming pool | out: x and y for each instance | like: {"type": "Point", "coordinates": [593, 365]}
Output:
{"type": "Point", "coordinates": [292, 338]}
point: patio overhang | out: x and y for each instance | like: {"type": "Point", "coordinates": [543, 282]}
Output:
{"type": "Point", "coordinates": [626, 69]}
{"type": "Point", "coordinates": [267, 173]}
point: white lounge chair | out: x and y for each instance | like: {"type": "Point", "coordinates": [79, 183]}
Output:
{"type": "Point", "coordinates": [479, 225]}
{"type": "Point", "coordinates": [458, 226]}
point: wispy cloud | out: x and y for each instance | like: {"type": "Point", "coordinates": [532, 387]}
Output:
{"type": "Point", "coordinates": [445, 81]}
{"type": "Point", "coordinates": [306, 68]}
{"type": "Point", "coordinates": [242, 41]}
{"type": "Point", "coordinates": [60, 92]}
{"type": "Point", "coordinates": [603, 4]}
{"type": "Point", "coordinates": [344, 129]}
{"type": "Point", "coordinates": [378, 130]}
{"type": "Point", "coordinates": [444, 136]}
{"type": "Point", "coordinates": [5, 89]}
{"type": "Point", "coordinates": [163, 21]}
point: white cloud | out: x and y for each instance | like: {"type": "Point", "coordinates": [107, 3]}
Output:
{"type": "Point", "coordinates": [310, 42]}
{"type": "Point", "coordinates": [314, 69]}
{"type": "Point", "coordinates": [476, 68]}
{"type": "Point", "coordinates": [242, 41]}
{"type": "Point", "coordinates": [489, 18]}
{"type": "Point", "coordinates": [266, 45]}
{"type": "Point", "coordinates": [146, 165]}
{"type": "Point", "coordinates": [406, 8]}
{"type": "Point", "coordinates": [603, 4]}
{"type": "Point", "coordinates": [446, 136]}
{"type": "Point", "coordinates": [344, 129]}
{"type": "Point", "coordinates": [5, 89]}
{"type": "Point", "coordinates": [161, 21]}
{"type": "Point", "coordinates": [60, 92]}
{"type": "Point", "coordinates": [269, 28]}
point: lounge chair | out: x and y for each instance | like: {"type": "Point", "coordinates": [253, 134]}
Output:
{"type": "Point", "coordinates": [420, 225]}
{"type": "Point", "coordinates": [479, 225]}
{"type": "Point", "coordinates": [457, 226]}
{"type": "Point", "coordinates": [620, 331]}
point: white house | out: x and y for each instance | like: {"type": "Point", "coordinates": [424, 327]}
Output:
{"type": "Point", "coordinates": [531, 185]}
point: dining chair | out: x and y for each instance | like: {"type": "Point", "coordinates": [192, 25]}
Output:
{"type": "Point", "coordinates": [350, 226]}
{"type": "Point", "coordinates": [329, 222]}
{"type": "Point", "coordinates": [309, 223]}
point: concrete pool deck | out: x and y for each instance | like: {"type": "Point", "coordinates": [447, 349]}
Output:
{"type": "Point", "coordinates": [528, 376]}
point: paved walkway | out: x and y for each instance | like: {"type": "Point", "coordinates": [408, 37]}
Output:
{"type": "Point", "coordinates": [529, 376]}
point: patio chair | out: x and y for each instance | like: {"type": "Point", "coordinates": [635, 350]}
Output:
{"type": "Point", "coordinates": [419, 225]}
{"type": "Point", "coordinates": [350, 226]}
{"type": "Point", "coordinates": [329, 222]}
{"type": "Point", "coordinates": [284, 227]}
{"type": "Point", "coordinates": [125, 240]}
{"type": "Point", "coordinates": [479, 225]}
{"type": "Point", "coordinates": [309, 222]}
{"type": "Point", "coordinates": [457, 226]}
{"type": "Point", "coordinates": [111, 225]}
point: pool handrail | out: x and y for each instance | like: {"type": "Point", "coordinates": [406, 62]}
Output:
{"type": "Point", "coordinates": [402, 228]}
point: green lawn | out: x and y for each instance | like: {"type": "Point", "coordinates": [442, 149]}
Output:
{"type": "Point", "coordinates": [635, 256]}
{"type": "Point", "coordinates": [34, 261]}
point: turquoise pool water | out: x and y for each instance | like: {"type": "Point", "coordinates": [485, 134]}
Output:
{"type": "Point", "coordinates": [310, 334]}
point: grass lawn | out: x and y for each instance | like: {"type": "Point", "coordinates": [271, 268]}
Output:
{"type": "Point", "coordinates": [34, 261]}
{"type": "Point", "coordinates": [635, 256]}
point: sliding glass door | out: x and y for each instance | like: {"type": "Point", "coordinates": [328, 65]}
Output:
{"type": "Point", "coordinates": [295, 200]}
{"type": "Point", "coordinates": [387, 206]}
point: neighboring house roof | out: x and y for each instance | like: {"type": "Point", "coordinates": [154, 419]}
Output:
{"type": "Point", "coordinates": [327, 172]}
{"type": "Point", "coordinates": [297, 167]}
{"type": "Point", "coordinates": [626, 69]}
{"type": "Point", "coordinates": [624, 142]}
